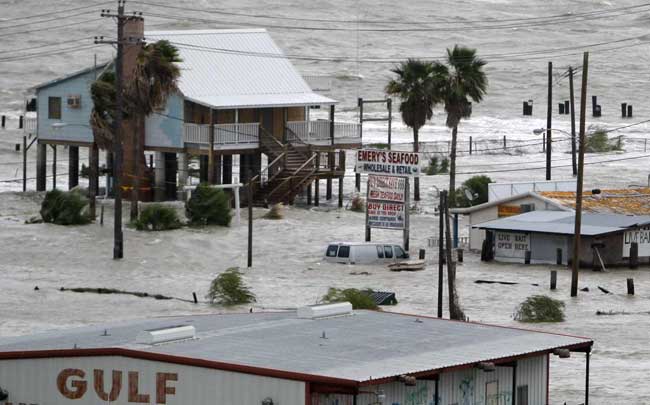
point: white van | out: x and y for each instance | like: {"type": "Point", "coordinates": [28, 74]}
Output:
{"type": "Point", "coordinates": [364, 253]}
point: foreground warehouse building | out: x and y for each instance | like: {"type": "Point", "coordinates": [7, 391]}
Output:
{"type": "Point", "coordinates": [317, 355]}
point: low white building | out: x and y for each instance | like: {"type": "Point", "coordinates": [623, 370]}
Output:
{"type": "Point", "coordinates": [317, 355]}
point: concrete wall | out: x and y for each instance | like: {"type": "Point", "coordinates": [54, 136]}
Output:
{"type": "Point", "coordinates": [166, 129]}
{"type": "Point", "coordinates": [68, 381]}
{"type": "Point", "coordinates": [78, 129]}
{"type": "Point", "coordinates": [465, 387]}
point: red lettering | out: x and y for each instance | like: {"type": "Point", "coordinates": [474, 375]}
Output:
{"type": "Point", "coordinates": [79, 387]}
{"type": "Point", "coordinates": [134, 395]}
{"type": "Point", "coordinates": [162, 390]}
{"type": "Point", "coordinates": [116, 385]}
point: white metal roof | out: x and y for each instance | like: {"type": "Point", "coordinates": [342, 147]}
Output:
{"type": "Point", "coordinates": [237, 69]}
{"type": "Point", "coordinates": [364, 346]}
{"type": "Point", "coordinates": [563, 223]}
{"type": "Point", "coordinates": [532, 194]}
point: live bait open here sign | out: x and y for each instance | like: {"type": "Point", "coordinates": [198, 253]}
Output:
{"type": "Point", "coordinates": [386, 162]}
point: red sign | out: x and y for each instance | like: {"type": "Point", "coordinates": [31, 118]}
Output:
{"type": "Point", "coordinates": [387, 188]}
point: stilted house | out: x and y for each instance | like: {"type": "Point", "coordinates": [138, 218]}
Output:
{"type": "Point", "coordinates": [315, 355]}
{"type": "Point", "coordinates": [241, 106]}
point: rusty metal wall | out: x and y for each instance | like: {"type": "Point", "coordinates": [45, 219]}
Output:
{"type": "Point", "coordinates": [34, 381]}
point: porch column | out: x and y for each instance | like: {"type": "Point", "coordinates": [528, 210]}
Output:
{"type": "Point", "coordinates": [203, 168]}
{"type": "Point", "coordinates": [227, 169]}
{"type": "Point", "coordinates": [170, 175]}
{"type": "Point", "coordinates": [211, 177]}
{"type": "Point", "coordinates": [217, 170]}
{"type": "Point", "coordinates": [183, 174]}
{"type": "Point", "coordinates": [285, 119]}
{"type": "Point", "coordinates": [256, 163]}
{"type": "Point", "coordinates": [316, 184]}
{"type": "Point", "coordinates": [341, 169]}
{"type": "Point", "coordinates": [41, 169]}
{"type": "Point", "coordinates": [332, 124]}
{"type": "Point", "coordinates": [244, 168]}
{"type": "Point", "coordinates": [159, 175]}
{"type": "Point", "coordinates": [109, 173]}
{"type": "Point", "coordinates": [330, 165]}
{"type": "Point", "coordinates": [588, 355]}
{"type": "Point", "coordinates": [73, 167]}
{"type": "Point", "coordinates": [53, 166]}
{"type": "Point", "coordinates": [93, 177]}
{"type": "Point", "coordinates": [309, 194]}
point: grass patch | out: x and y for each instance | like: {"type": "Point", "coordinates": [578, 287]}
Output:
{"type": "Point", "coordinates": [276, 212]}
{"type": "Point", "coordinates": [540, 308]}
{"type": "Point", "coordinates": [157, 217]}
{"type": "Point", "coordinates": [65, 208]}
{"type": "Point", "coordinates": [360, 299]}
{"type": "Point", "coordinates": [229, 289]}
{"type": "Point", "coordinates": [208, 206]}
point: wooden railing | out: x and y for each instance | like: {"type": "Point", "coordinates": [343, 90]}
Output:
{"type": "Point", "coordinates": [196, 133]}
{"type": "Point", "coordinates": [229, 134]}
{"type": "Point", "coordinates": [319, 131]}
{"type": "Point", "coordinates": [29, 124]}
{"type": "Point", "coordinates": [295, 179]}
{"type": "Point", "coordinates": [224, 134]}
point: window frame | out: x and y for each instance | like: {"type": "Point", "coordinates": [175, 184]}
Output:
{"type": "Point", "coordinates": [336, 251]}
{"type": "Point", "coordinates": [51, 111]}
{"type": "Point", "coordinates": [344, 248]}
{"type": "Point", "coordinates": [389, 255]}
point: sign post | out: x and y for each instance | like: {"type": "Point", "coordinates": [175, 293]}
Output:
{"type": "Point", "coordinates": [387, 191]}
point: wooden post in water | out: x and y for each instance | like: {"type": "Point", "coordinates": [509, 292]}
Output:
{"type": "Point", "coordinates": [630, 286]}
{"type": "Point", "coordinates": [634, 255]}
{"type": "Point", "coordinates": [470, 144]}
{"type": "Point", "coordinates": [421, 254]}
{"type": "Point", "coordinates": [553, 279]}
{"type": "Point", "coordinates": [250, 220]}
{"type": "Point", "coordinates": [527, 257]}
{"type": "Point", "coordinates": [459, 255]}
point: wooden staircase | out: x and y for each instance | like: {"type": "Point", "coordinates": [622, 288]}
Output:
{"type": "Point", "coordinates": [291, 169]}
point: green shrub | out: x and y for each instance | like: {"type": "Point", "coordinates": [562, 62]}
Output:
{"type": "Point", "coordinates": [276, 212]}
{"type": "Point", "coordinates": [229, 289]}
{"type": "Point", "coordinates": [478, 186]}
{"type": "Point", "coordinates": [540, 308]}
{"type": "Point", "coordinates": [436, 167]}
{"type": "Point", "coordinates": [598, 142]}
{"type": "Point", "coordinates": [157, 217]}
{"type": "Point", "coordinates": [208, 206]}
{"type": "Point", "coordinates": [360, 299]}
{"type": "Point", "coordinates": [65, 208]}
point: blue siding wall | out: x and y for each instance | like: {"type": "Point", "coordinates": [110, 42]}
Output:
{"type": "Point", "coordinates": [77, 129]}
{"type": "Point", "coordinates": [166, 128]}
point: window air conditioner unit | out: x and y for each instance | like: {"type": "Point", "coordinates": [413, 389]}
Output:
{"type": "Point", "coordinates": [74, 101]}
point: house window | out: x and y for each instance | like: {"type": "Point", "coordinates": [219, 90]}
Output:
{"type": "Point", "coordinates": [54, 108]}
{"type": "Point", "coordinates": [522, 395]}
{"type": "Point", "coordinates": [344, 251]}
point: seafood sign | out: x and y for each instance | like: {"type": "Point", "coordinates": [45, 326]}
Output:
{"type": "Point", "coordinates": [392, 163]}
{"type": "Point", "coordinates": [386, 188]}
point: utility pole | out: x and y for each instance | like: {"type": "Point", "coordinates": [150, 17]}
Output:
{"type": "Point", "coordinates": [573, 123]}
{"type": "Point", "coordinates": [118, 241]}
{"type": "Point", "coordinates": [441, 250]}
{"type": "Point", "coordinates": [575, 263]}
{"type": "Point", "coordinates": [549, 115]}
{"type": "Point", "coordinates": [249, 199]}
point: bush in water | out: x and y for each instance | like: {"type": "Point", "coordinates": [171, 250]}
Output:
{"type": "Point", "coordinates": [65, 208]}
{"type": "Point", "coordinates": [208, 206]}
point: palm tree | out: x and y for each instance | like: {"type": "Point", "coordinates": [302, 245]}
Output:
{"type": "Point", "coordinates": [414, 85]}
{"type": "Point", "coordinates": [457, 85]}
{"type": "Point", "coordinates": [155, 78]}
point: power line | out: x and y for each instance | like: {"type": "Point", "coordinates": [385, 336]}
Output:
{"type": "Point", "coordinates": [49, 53]}
{"type": "Point", "coordinates": [544, 167]}
{"type": "Point", "coordinates": [540, 20]}
{"type": "Point", "coordinates": [51, 28]}
{"type": "Point", "coordinates": [49, 20]}
{"type": "Point", "coordinates": [57, 12]}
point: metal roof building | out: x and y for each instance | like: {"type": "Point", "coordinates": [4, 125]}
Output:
{"type": "Point", "coordinates": [284, 358]}
{"type": "Point", "coordinates": [547, 237]}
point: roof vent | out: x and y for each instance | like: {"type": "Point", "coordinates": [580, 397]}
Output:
{"type": "Point", "coordinates": [168, 334]}
{"type": "Point", "coordinates": [325, 310]}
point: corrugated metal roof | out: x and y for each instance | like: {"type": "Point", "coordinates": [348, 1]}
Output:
{"type": "Point", "coordinates": [364, 346]}
{"type": "Point", "coordinates": [532, 194]}
{"type": "Point", "coordinates": [617, 201]}
{"type": "Point", "coordinates": [52, 82]}
{"type": "Point", "coordinates": [562, 222]}
{"type": "Point", "coordinates": [237, 69]}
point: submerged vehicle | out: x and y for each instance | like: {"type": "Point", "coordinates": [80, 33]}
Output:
{"type": "Point", "coordinates": [364, 253]}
